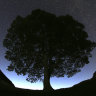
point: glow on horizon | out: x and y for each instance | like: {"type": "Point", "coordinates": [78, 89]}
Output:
{"type": "Point", "coordinates": [57, 83]}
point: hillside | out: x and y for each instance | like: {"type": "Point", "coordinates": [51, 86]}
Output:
{"type": "Point", "coordinates": [85, 88]}
{"type": "Point", "coordinates": [5, 83]}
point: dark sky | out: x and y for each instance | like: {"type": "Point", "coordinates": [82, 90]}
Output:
{"type": "Point", "coordinates": [82, 10]}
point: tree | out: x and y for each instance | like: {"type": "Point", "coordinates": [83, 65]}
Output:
{"type": "Point", "coordinates": [94, 75]}
{"type": "Point", "coordinates": [42, 45]}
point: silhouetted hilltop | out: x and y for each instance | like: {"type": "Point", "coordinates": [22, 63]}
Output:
{"type": "Point", "coordinates": [91, 83]}
{"type": "Point", "coordinates": [85, 88]}
{"type": "Point", "coordinates": [5, 82]}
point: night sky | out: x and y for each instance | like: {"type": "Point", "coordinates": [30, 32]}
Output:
{"type": "Point", "coordinates": [82, 10]}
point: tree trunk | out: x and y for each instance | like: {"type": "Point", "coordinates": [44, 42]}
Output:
{"type": "Point", "coordinates": [46, 82]}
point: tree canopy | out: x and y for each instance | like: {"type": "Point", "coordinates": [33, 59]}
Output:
{"type": "Point", "coordinates": [42, 41]}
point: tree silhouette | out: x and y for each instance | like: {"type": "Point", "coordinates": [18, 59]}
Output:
{"type": "Point", "coordinates": [94, 75]}
{"type": "Point", "coordinates": [42, 45]}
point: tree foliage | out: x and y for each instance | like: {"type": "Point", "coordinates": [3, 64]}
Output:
{"type": "Point", "coordinates": [61, 39]}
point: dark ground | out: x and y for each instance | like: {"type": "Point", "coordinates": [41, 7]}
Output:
{"type": "Point", "coordinates": [61, 92]}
